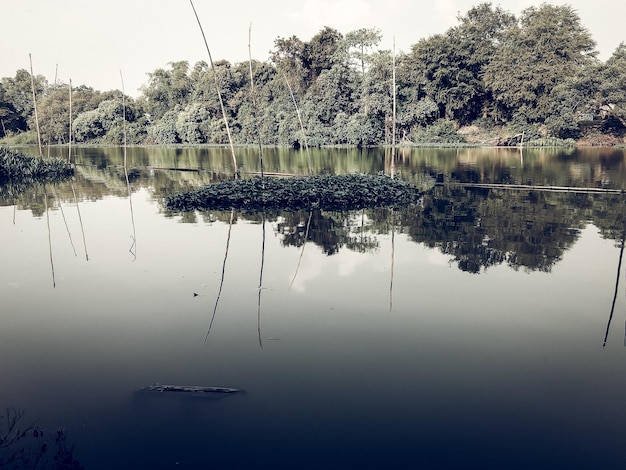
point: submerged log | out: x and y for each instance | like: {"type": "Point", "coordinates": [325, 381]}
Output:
{"type": "Point", "coordinates": [193, 389]}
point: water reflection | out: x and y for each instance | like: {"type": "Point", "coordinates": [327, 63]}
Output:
{"type": "Point", "coordinates": [501, 369]}
{"type": "Point", "coordinates": [617, 278]}
{"type": "Point", "coordinates": [219, 292]}
{"type": "Point", "coordinates": [480, 228]}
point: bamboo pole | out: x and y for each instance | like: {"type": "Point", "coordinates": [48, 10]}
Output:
{"type": "Point", "coordinates": [295, 104]}
{"type": "Point", "coordinates": [619, 267]}
{"type": "Point", "coordinates": [45, 201]}
{"type": "Point", "coordinates": [67, 227]}
{"type": "Point", "coordinates": [258, 320]}
{"type": "Point", "coordinates": [393, 256]}
{"type": "Point", "coordinates": [306, 237]}
{"type": "Point", "coordinates": [133, 247]}
{"type": "Point", "coordinates": [219, 94]}
{"type": "Point", "coordinates": [80, 219]}
{"type": "Point", "coordinates": [254, 104]}
{"type": "Point", "coordinates": [32, 84]}
{"type": "Point", "coordinates": [219, 292]}
{"type": "Point", "coordinates": [393, 91]}
{"type": "Point", "coordinates": [69, 141]}
{"type": "Point", "coordinates": [528, 187]}
{"type": "Point", "coordinates": [123, 116]}
{"type": "Point", "coordinates": [393, 118]}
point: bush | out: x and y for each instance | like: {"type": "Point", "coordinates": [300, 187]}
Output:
{"type": "Point", "coordinates": [163, 131]}
{"type": "Point", "coordinates": [326, 192]}
{"type": "Point", "coordinates": [442, 131]}
{"type": "Point", "coordinates": [22, 138]}
{"type": "Point", "coordinates": [550, 142]}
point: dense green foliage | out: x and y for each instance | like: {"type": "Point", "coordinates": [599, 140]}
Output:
{"type": "Point", "coordinates": [19, 172]}
{"type": "Point", "coordinates": [14, 166]}
{"type": "Point", "coordinates": [327, 192]}
{"type": "Point", "coordinates": [536, 73]}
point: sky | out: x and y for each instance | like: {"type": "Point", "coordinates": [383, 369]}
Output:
{"type": "Point", "coordinates": [104, 44]}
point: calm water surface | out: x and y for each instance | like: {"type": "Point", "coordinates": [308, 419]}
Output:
{"type": "Point", "coordinates": [472, 331]}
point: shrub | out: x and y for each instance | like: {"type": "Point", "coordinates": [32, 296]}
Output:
{"type": "Point", "coordinates": [442, 131]}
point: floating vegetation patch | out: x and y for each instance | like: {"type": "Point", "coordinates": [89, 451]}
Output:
{"type": "Point", "coordinates": [326, 192]}
{"type": "Point", "coordinates": [18, 172]}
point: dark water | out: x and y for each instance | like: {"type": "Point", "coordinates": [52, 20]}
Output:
{"type": "Point", "coordinates": [471, 331]}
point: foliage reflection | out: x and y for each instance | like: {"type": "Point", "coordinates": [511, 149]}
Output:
{"type": "Point", "coordinates": [477, 228]}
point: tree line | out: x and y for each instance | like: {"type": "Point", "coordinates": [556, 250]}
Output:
{"type": "Point", "coordinates": [536, 74]}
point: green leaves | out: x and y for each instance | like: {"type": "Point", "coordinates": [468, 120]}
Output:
{"type": "Point", "coordinates": [614, 83]}
{"type": "Point", "coordinates": [547, 47]}
{"type": "Point", "coordinates": [18, 172]}
{"type": "Point", "coordinates": [327, 192]}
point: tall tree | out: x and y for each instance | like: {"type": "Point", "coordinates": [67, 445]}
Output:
{"type": "Point", "coordinates": [452, 63]}
{"type": "Point", "coordinates": [378, 94]}
{"type": "Point", "coordinates": [11, 120]}
{"type": "Point", "coordinates": [572, 98]}
{"type": "Point", "coordinates": [18, 91]}
{"type": "Point", "coordinates": [167, 89]}
{"type": "Point", "coordinates": [319, 53]}
{"type": "Point", "coordinates": [359, 43]}
{"type": "Point", "coordinates": [288, 58]}
{"type": "Point", "coordinates": [614, 84]}
{"type": "Point", "coordinates": [548, 46]}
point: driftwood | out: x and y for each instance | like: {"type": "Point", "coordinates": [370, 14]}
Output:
{"type": "Point", "coordinates": [191, 389]}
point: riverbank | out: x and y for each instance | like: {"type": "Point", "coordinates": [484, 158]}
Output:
{"type": "Point", "coordinates": [598, 133]}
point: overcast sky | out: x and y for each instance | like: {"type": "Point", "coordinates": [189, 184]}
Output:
{"type": "Point", "coordinates": [91, 41]}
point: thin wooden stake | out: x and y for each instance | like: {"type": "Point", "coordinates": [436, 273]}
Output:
{"type": "Point", "coordinates": [69, 141]}
{"type": "Point", "coordinates": [393, 85]}
{"type": "Point", "coordinates": [133, 247]}
{"type": "Point", "coordinates": [80, 219]}
{"type": "Point", "coordinates": [393, 118]}
{"type": "Point", "coordinates": [295, 104]}
{"type": "Point", "coordinates": [124, 116]}
{"type": "Point", "coordinates": [254, 105]}
{"type": "Point", "coordinates": [619, 267]}
{"type": "Point", "coordinates": [306, 237]}
{"type": "Point", "coordinates": [258, 316]}
{"type": "Point", "coordinates": [393, 254]}
{"type": "Point", "coordinates": [45, 201]}
{"type": "Point", "coordinates": [32, 83]}
{"type": "Point", "coordinates": [219, 293]}
{"type": "Point", "coordinates": [219, 94]}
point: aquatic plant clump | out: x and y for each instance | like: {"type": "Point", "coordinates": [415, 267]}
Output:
{"type": "Point", "coordinates": [16, 167]}
{"type": "Point", "coordinates": [326, 192]}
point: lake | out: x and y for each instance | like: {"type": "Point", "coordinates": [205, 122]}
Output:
{"type": "Point", "coordinates": [482, 328]}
